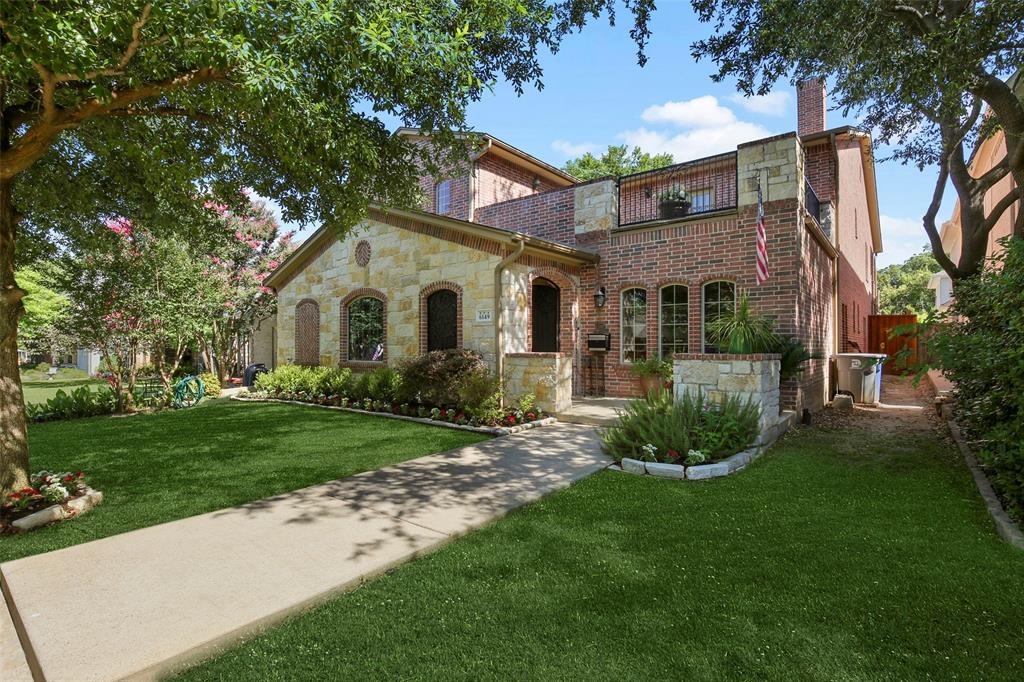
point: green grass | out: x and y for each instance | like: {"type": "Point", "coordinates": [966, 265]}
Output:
{"type": "Point", "coordinates": [166, 466]}
{"type": "Point", "coordinates": [41, 391]}
{"type": "Point", "coordinates": [840, 555]}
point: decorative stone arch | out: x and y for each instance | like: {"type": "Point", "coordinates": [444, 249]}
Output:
{"type": "Point", "coordinates": [659, 312]}
{"type": "Point", "coordinates": [307, 332]}
{"type": "Point", "coordinates": [568, 307]}
{"type": "Point", "coordinates": [425, 293]}
{"type": "Point", "coordinates": [704, 282]}
{"type": "Point", "coordinates": [355, 295]}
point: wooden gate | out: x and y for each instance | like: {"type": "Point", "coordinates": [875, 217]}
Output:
{"type": "Point", "coordinates": [880, 340]}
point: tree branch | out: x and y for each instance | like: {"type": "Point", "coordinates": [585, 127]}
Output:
{"type": "Point", "coordinates": [34, 143]}
{"type": "Point", "coordinates": [1000, 207]}
{"type": "Point", "coordinates": [49, 89]}
{"type": "Point", "coordinates": [126, 56]}
{"type": "Point", "coordinates": [929, 221]}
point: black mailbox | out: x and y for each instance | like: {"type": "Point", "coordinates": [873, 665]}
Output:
{"type": "Point", "coordinates": [599, 343]}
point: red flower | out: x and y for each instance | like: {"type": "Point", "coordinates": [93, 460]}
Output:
{"type": "Point", "coordinates": [15, 496]}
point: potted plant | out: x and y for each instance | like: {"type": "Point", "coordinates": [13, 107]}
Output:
{"type": "Point", "coordinates": [654, 373]}
{"type": "Point", "coordinates": [674, 202]}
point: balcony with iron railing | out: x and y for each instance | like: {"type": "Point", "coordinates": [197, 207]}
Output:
{"type": "Point", "coordinates": [675, 192]}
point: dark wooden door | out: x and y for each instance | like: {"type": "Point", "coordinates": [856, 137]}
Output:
{"type": "Point", "coordinates": [442, 320]}
{"type": "Point", "coordinates": [546, 300]}
{"type": "Point", "coordinates": [882, 340]}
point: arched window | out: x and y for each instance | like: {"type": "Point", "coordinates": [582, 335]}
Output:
{"type": "Point", "coordinates": [634, 325]}
{"type": "Point", "coordinates": [674, 320]}
{"type": "Point", "coordinates": [307, 333]}
{"type": "Point", "coordinates": [366, 330]}
{"type": "Point", "coordinates": [443, 197]}
{"type": "Point", "coordinates": [442, 320]}
{"type": "Point", "coordinates": [719, 297]}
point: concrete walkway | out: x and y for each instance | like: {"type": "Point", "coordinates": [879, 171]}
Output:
{"type": "Point", "coordinates": [142, 603]}
{"type": "Point", "coordinates": [593, 411]}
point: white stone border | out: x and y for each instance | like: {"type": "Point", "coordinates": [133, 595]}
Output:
{"type": "Point", "coordinates": [491, 430]}
{"type": "Point", "coordinates": [727, 466]}
{"type": "Point", "coordinates": [59, 512]}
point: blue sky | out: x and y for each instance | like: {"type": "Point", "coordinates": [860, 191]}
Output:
{"type": "Point", "coordinates": [595, 94]}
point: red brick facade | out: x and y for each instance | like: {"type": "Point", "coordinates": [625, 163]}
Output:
{"type": "Point", "coordinates": [811, 107]}
{"type": "Point", "coordinates": [548, 215]}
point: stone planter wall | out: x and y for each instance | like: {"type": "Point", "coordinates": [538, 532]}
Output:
{"type": "Point", "coordinates": [754, 376]}
{"type": "Point", "coordinates": [547, 375]}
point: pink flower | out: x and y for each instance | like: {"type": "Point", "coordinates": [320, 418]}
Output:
{"type": "Point", "coordinates": [273, 265]}
{"type": "Point", "coordinates": [120, 226]}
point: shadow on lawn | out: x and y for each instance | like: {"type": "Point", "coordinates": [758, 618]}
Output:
{"type": "Point", "coordinates": [449, 493]}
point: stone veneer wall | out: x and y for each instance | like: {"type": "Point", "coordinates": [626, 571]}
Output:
{"type": "Point", "coordinates": [547, 375]}
{"type": "Point", "coordinates": [754, 376]}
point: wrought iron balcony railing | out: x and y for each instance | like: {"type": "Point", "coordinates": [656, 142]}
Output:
{"type": "Point", "coordinates": [678, 191]}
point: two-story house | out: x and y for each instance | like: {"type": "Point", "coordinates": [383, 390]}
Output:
{"type": "Point", "coordinates": [562, 284]}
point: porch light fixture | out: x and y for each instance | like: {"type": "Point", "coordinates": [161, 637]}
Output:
{"type": "Point", "coordinates": [600, 297]}
{"type": "Point", "coordinates": [536, 183]}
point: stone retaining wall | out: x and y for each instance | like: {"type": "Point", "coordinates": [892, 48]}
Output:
{"type": "Point", "coordinates": [754, 376]}
{"type": "Point", "coordinates": [547, 375]}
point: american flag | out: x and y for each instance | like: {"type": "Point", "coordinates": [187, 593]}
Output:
{"type": "Point", "coordinates": [762, 241]}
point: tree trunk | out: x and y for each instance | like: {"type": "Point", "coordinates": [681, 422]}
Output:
{"type": "Point", "coordinates": [13, 431]}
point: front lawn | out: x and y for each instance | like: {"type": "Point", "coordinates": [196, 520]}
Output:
{"type": "Point", "coordinates": [166, 466]}
{"type": "Point", "coordinates": [842, 554]}
{"type": "Point", "coordinates": [41, 391]}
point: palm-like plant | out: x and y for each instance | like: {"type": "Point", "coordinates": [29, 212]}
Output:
{"type": "Point", "coordinates": [743, 330]}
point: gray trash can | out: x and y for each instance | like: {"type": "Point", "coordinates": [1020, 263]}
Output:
{"type": "Point", "coordinates": [860, 375]}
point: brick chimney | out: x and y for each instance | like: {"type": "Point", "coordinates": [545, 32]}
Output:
{"type": "Point", "coordinates": [810, 107]}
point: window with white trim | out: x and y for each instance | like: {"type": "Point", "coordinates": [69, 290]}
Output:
{"type": "Point", "coordinates": [634, 325]}
{"type": "Point", "coordinates": [702, 200]}
{"type": "Point", "coordinates": [443, 197]}
{"type": "Point", "coordinates": [673, 320]}
{"type": "Point", "coordinates": [719, 297]}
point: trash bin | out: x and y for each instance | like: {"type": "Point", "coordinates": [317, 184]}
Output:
{"type": "Point", "coordinates": [860, 375]}
{"type": "Point", "coordinates": [251, 372]}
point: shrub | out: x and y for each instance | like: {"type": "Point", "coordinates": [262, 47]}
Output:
{"type": "Point", "coordinates": [383, 384]}
{"type": "Point", "coordinates": [211, 384]}
{"type": "Point", "coordinates": [742, 330]}
{"type": "Point", "coordinates": [480, 396]}
{"type": "Point", "coordinates": [979, 344]}
{"type": "Point", "coordinates": [715, 430]}
{"type": "Point", "coordinates": [43, 367]}
{"type": "Point", "coordinates": [44, 489]}
{"type": "Point", "coordinates": [81, 402]}
{"type": "Point", "coordinates": [434, 378]}
{"type": "Point", "coordinates": [359, 388]}
{"type": "Point", "coordinates": [185, 370]}
{"type": "Point", "coordinates": [652, 367]}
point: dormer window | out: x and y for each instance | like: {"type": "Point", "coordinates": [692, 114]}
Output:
{"type": "Point", "coordinates": [443, 197]}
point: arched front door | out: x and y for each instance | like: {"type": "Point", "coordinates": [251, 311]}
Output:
{"type": "Point", "coordinates": [544, 316]}
{"type": "Point", "coordinates": [442, 320]}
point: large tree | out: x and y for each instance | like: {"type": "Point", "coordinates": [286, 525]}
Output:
{"type": "Point", "coordinates": [615, 161]}
{"type": "Point", "coordinates": [930, 76]}
{"type": "Point", "coordinates": [124, 108]}
{"type": "Point", "coordinates": [903, 287]}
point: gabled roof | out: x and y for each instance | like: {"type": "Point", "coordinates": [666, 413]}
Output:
{"type": "Point", "coordinates": [504, 150]}
{"type": "Point", "coordinates": [535, 246]}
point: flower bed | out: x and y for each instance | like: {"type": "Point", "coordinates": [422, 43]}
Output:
{"type": "Point", "coordinates": [49, 497]}
{"type": "Point", "coordinates": [515, 419]}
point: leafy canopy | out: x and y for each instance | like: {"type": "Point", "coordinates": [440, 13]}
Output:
{"type": "Point", "coordinates": [617, 160]}
{"type": "Point", "coordinates": [123, 108]}
{"type": "Point", "coordinates": [903, 287]}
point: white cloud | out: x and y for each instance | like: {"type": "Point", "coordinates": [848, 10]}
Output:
{"type": "Point", "coordinates": [571, 150]}
{"type": "Point", "coordinates": [772, 104]}
{"type": "Point", "coordinates": [700, 112]}
{"type": "Point", "coordinates": [901, 239]}
{"type": "Point", "coordinates": [708, 127]}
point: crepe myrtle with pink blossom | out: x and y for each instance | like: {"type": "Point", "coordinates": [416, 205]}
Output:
{"type": "Point", "coordinates": [254, 247]}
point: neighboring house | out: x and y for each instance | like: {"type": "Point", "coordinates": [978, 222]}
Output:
{"type": "Point", "coordinates": [562, 284]}
{"type": "Point", "coordinates": [985, 156]}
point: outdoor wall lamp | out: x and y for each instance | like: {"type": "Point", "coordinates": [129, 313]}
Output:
{"type": "Point", "coordinates": [536, 183]}
{"type": "Point", "coordinates": [600, 297]}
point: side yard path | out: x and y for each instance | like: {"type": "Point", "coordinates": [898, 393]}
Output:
{"type": "Point", "coordinates": [855, 549]}
{"type": "Point", "coordinates": [160, 596]}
